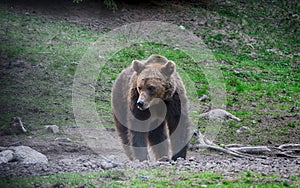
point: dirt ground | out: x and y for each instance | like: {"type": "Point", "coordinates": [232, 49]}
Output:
{"type": "Point", "coordinates": [88, 152]}
{"type": "Point", "coordinates": [84, 152]}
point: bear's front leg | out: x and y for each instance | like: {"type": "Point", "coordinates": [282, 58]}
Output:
{"type": "Point", "coordinates": [123, 134]}
{"type": "Point", "coordinates": [139, 145]}
{"type": "Point", "coordinates": [179, 137]}
{"type": "Point", "coordinates": [179, 126]}
{"type": "Point", "coordinates": [158, 141]}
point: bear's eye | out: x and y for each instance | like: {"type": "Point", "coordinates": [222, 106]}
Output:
{"type": "Point", "coordinates": [151, 89]}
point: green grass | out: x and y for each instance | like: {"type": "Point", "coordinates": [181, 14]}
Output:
{"type": "Point", "coordinates": [167, 177]}
{"type": "Point", "coordinates": [40, 93]}
{"type": "Point", "coordinates": [266, 73]}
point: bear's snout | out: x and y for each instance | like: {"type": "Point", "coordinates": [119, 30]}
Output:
{"type": "Point", "coordinates": [140, 104]}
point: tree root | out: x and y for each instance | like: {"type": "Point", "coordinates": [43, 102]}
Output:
{"type": "Point", "coordinates": [238, 150]}
{"type": "Point", "coordinates": [261, 152]}
{"type": "Point", "coordinates": [206, 144]}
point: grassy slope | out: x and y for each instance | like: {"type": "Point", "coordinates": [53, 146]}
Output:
{"type": "Point", "coordinates": [41, 92]}
{"type": "Point", "coordinates": [260, 51]}
{"type": "Point", "coordinates": [257, 45]}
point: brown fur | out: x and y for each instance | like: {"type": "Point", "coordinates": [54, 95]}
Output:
{"type": "Point", "coordinates": [154, 82]}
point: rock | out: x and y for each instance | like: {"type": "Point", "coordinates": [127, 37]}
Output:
{"type": "Point", "coordinates": [63, 139]}
{"type": "Point", "coordinates": [6, 156]}
{"type": "Point", "coordinates": [52, 128]}
{"type": "Point", "coordinates": [27, 155]}
{"type": "Point", "coordinates": [145, 177]}
{"type": "Point", "coordinates": [192, 159]}
{"type": "Point", "coordinates": [243, 129]}
{"type": "Point", "coordinates": [106, 165]}
{"type": "Point", "coordinates": [182, 27]}
{"type": "Point", "coordinates": [203, 98]}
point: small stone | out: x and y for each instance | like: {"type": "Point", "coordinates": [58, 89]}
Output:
{"type": "Point", "coordinates": [94, 166]}
{"type": "Point", "coordinates": [182, 27]}
{"type": "Point", "coordinates": [87, 164]}
{"type": "Point", "coordinates": [63, 139]}
{"type": "Point", "coordinates": [145, 177]}
{"type": "Point", "coordinates": [6, 156]}
{"type": "Point", "coordinates": [243, 130]}
{"type": "Point", "coordinates": [254, 104]}
{"type": "Point", "coordinates": [52, 128]}
{"type": "Point", "coordinates": [108, 165]}
{"type": "Point", "coordinates": [192, 158]}
{"type": "Point", "coordinates": [180, 159]}
{"type": "Point", "coordinates": [254, 121]}
{"type": "Point", "coordinates": [203, 98]}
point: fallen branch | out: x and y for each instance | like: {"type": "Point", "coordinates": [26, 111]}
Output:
{"type": "Point", "coordinates": [289, 146]}
{"type": "Point", "coordinates": [19, 124]}
{"type": "Point", "coordinates": [252, 149]}
{"type": "Point", "coordinates": [223, 150]}
{"type": "Point", "coordinates": [237, 150]}
{"type": "Point", "coordinates": [289, 150]}
{"type": "Point", "coordinates": [207, 144]}
{"type": "Point", "coordinates": [204, 143]}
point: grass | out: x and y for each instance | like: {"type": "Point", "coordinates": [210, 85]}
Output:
{"type": "Point", "coordinates": [160, 177]}
{"type": "Point", "coordinates": [266, 74]}
{"type": "Point", "coordinates": [51, 51]}
{"type": "Point", "coordinates": [256, 44]}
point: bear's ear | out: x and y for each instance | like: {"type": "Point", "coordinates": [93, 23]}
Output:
{"type": "Point", "coordinates": [138, 66]}
{"type": "Point", "coordinates": [168, 68]}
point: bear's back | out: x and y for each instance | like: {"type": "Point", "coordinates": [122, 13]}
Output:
{"type": "Point", "coordinates": [156, 59]}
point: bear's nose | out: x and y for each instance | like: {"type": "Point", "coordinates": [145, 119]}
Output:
{"type": "Point", "coordinates": [140, 104]}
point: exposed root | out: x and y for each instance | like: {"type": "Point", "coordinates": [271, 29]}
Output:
{"type": "Point", "coordinates": [206, 144]}
{"type": "Point", "coordinates": [238, 150]}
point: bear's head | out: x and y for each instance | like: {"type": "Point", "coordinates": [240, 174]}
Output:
{"type": "Point", "coordinates": [154, 81]}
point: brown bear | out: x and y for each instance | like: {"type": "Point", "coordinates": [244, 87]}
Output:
{"type": "Point", "coordinates": [150, 109]}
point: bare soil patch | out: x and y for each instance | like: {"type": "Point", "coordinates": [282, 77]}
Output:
{"type": "Point", "coordinates": [77, 156]}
